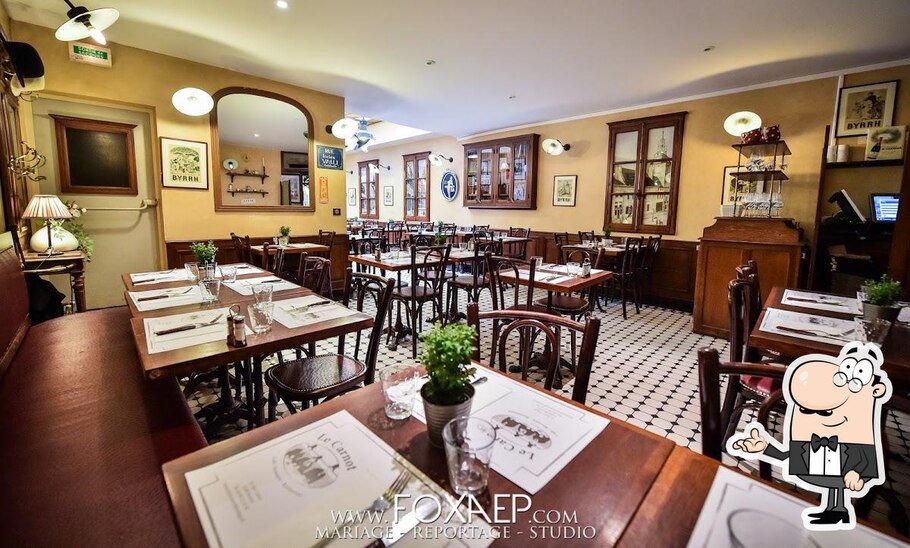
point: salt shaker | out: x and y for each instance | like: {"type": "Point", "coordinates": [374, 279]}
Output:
{"type": "Point", "coordinates": [586, 268]}
{"type": "Point", "coordinates": [237, 329]}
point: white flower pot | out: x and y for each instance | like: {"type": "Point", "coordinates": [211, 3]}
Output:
{"type": "Point", "coordinates": [63, 240]}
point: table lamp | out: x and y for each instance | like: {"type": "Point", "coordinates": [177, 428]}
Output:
{"type": "Point", "coordinates": [47, 207]}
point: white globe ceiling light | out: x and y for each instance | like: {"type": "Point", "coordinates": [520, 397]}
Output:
{"type": "Point", "coordinates": [193, 101]}
{"type": "Point", "coordinates": [554, 147]}
{"type": "Point", "coordinates": [437, 159]}
{"type": "Point", "coordinates": [740, 122]}
{"type": "Point", "coordinates": [82, 23]}
{"type": "Point", "coordinates": [344, 128]}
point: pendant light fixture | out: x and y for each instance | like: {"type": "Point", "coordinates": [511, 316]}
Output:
{"type": "Point", "coordinates": [193, 101]}
{"type": "Point", "coordinates": [83, 23]}
{"type": "Point", "coordinates": [740, 122]}
{"type": "Point", "coordinates": [437, 159]}
{"type": "Point", "coordinates": [554, 147]}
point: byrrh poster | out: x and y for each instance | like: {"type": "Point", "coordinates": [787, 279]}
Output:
{"type": "Point", "coordinates": [184, 164]}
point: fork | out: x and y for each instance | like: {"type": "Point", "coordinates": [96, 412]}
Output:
{"type": "Point", "coordinates": [814, 333]}
{"type": "Point", "coordinates": [188, 326]}
{"type": "Point", "coordinates": [381, 504]}
{"type": "Point", "coordinates": [165, 295]}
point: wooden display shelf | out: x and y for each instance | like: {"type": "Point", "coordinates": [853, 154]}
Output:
{"type": "Point", "coordinates": [262, 192]}
{"type": "Point", "coordinates": [764, 175]}
{"type": "Point", "coordinates": [261, 176]}
{"type": "Point", "coordinates": [864, 163]}
{"type": "Point", "coordinates": [779, 148]}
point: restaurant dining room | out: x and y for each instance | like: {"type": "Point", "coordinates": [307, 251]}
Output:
{"type": "Point", "coordinates": [314, 273]}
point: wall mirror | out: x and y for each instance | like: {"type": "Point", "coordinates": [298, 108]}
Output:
{"type": "Point", "coordinates": [262, 152]}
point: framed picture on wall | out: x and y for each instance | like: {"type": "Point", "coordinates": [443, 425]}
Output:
{"type": "Point", "coordinates": [184, 164]}
{"type": "Point", "coordinates": [564, 188]}
{"type": "Point", "coordinates": [388, 196]}
{"type": "Point", "coordinates": [95, 156]}
{"type": "Point", "coordinates": [861, 108]}
{"type": "Point", "coordinates": [352, 197]}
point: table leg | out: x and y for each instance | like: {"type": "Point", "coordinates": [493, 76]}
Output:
{"type": "Point", "coordinates": [258, 399]}
{"type": "Point", "coordinates": [77, 277]}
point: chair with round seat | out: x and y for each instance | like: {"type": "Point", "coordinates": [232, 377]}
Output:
{"type": "Point", "coordinates": [472, 283]}
{"type": "Point", "coordinates": [428, 265]}
{"type": "Point", "coordinates": [316, 377]}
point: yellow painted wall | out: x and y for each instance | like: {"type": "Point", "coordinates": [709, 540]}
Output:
{"type": "Point", "coordinates": [802, 110]}
{"type": "Point", "coordinates": [272, 184]}
{"type": "Point", "coordinates": [147, 79]}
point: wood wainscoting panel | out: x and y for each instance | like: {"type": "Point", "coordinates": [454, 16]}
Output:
{"type": "Point", "coordinates": [178, 253]}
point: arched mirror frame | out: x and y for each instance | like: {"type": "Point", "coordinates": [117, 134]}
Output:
{"type": "Point", "coordinates": [216, 152]}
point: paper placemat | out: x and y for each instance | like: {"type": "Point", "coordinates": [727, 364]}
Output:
{"type": "Point", "coordinates": [245, 287]}
{"type": "Point", "coordinates": [739, 509]}
{"type": "Point", "coordinates": [294, 313]}
{"type": "Point", "coordinates": [537, 434]}
{"type": "Point", "coordinates": [157, 299]}
{"type": "Point", "coordinates": [243, 269]}
{"type": "Point", "coordinates": [175, 275]}
{"type": "Point", "coordinates": [184, 339]}
{"type": "Point", "coordinates": [818, 301]}
{"type": "Point", "coordinates": [295, 489]}
{"type": "Point", "coordinates": [808, 326]}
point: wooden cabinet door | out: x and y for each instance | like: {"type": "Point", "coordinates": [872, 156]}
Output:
{"type": "Point", "coordinates": [471, 176]}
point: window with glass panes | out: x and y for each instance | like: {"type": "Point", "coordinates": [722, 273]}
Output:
{"type": "Point", "coordinates": [643, 174]}
{"type": "Point", "coordinates": [369, 189]}
{"type": "Point", "coordinates": [417, 187]}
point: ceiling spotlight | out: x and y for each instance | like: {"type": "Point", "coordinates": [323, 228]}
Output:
{"type": "Point", "coordinates": [511, 97]}
{"type": "Point", "coordinates": [282, 4]}
{"type": "Point", "coordinates": [708, 48]}
{"type": "Point", "coordinates": [740, 122]}
{"type": "Point", "coordinates": [82, 23]}
{"type": "Point", "coordinates": [436, 159]}
{"type": "Point", "coordinates": [431, 62]}
{"type": "Point", "coordinates": [193, 101]}
{"type": "Point", "coordinates": [374, 168]}
{"type": "Point", "coordinates": [554, 147]}
{"type": "Point", "coordinates": [256, 135]}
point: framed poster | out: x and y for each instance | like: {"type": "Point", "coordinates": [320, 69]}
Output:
{"type": "Point", "coordinates": [564, 189]}
{"type": "Point", "coordinates": [352, 197]}
{"type": "Point", "coordinates": [861, 108]}
{"type": "Point", "coordinates": [734, 188]}
{"type": "Point", "coordinates": [95, 157]}
{"type": "Point", "coordinates": [388, 197]}
{"type": "Point", "coordinates": [184, 164]}
{"type": "Point", "coordinates": [886, 143]}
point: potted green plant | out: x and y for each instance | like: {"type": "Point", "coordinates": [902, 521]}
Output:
{"type": "Point", "coordinates": [285, 232]}
{"type": "Point", "coordinates": [441, 239]}
{"type": "Point", "coordinates": [439, 225]}
{"type": "Point", "coordinates": [880, 298]}
{"type": "Point", "coordinates": [607, 240]}
{"type": "Point", "coordinates": [448, 392]}
{"type": "Point", "coordinates": [204, 252]}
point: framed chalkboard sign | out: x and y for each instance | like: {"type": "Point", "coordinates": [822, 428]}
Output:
{"type": "Point", "coordinates": [95, 156]}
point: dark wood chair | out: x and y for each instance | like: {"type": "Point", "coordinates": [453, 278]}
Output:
{"type": "Point", "coordinates": [562, 239]}
{"type": "Point", "coordinates": [316, 377]}
{"type": "Point", "coordinates": [644, 274]}
{"type": "Point", "coordinates": [713, 429]}
{"type": "Point", "coordinates": [314, 274]}
{"type": "Point", "coordinates": [496, 265]}
{"type": "Point", "coordinates": [274, 264]}
{"type": "Point", "coordinates": [550, 327]}
{"type": "Point", "coordinates": [624, 278]}
{"type": "Point", "coordinates": [242, 248]}
{"type": "Point", "coordinates": [473, 283]}
{"type": "Point", "coordinates": [326, 238]}
{"type": "Point", "coordinates": [586, 236]}
{"type": "Point", "coordinates": [428, 266]}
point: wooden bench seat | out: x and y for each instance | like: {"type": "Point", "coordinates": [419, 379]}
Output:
{"type": "Point", "coordinates": [84, 434]}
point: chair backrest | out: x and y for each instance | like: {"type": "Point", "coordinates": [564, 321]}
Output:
{"type": "Point", "coordinates": [519, 232]}
{"type": "Point", "coordinates": [743, 316]}
{"type": "Point", "coordinates": [381, 291]}
{"type": "Point", "coordinates": [642, 260]}
{"type": "Point", "coordinates": [313, 273]}
{"type": "Point", "coordinates": [242, 247]}
{"type": "Point", "coordinates": [630, 257]}
{"type": "Point", "coordinates": [710, 370]}
{"type": "Point", "coordinates": [654, 244]}
{"type": "Point", "coordinates": [481, 231]}
{"type": "Point", "coordinates": [327, 238]}
{"type": "Point", "coordinates": [552, 327]}
{"type": "Point", "coordinates": [596, 256]}
{"type": "Point", "coordinates": [428, 226]}
{"type": "Point", "coordinates": [586, 235]}
{"type": "Point", "coordinates": [277, 262]}
{"type": "Point", "coordinates": [423, 240]}
{"type": "Point", "coordinates": [749, 271]}
{"type": "Point", "coordinates": [479, 265]}
{"type": "Point", "coordinates": [449, 229]}
{"type": "Point", "coordinates": [496, 266]}
{"type": "Point", "coordinates": [428, 265]}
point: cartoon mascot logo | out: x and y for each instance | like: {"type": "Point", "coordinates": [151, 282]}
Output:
{"type": "Point", "coordinates": [832, 431]}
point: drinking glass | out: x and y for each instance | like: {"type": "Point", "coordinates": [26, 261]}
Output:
{"type": "Point", "coordinates": [395, 251]}
{"type": "Point", "coordinates": [874, 331]}
{"type": "Point", "coordinates": [229, 274]}
{"type": "Point", "coordinates": [399, 386]}
{"type": "Point", "coordinates": [192, 271]}
{"type": "Point", "coordinates": [469, 446]}
{"type": "Point", "coordinates": [210, 289]}
{"type": "Point", "coordinates": [208, 271]}
{"type": "Point", "coordinates": [262, 293]}
{"type": "Point", "coordinates": [573, 268]}
{"type": "Point", "coordinates": [463, 246]}
{"type": "Point", "coordinates": [538, 263]}
{"type": "Point", "coordinates": [261, 316]}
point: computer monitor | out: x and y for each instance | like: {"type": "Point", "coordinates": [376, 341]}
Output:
{"type": "Point", "coordinates": [884, 207]}
{"type": "Point", "coordinates": [848, 209]}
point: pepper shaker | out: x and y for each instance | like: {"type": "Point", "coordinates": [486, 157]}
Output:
{"type": "Point", "coordinates": [586, 268]}
{"type": "Point", "coordinates": [237, 329]}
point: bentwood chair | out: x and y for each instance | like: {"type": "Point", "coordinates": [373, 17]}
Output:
{"type": "Point", "coordinates": [316, 377]}
{"type": "Point", "coordinates": [472, 283]}
{"type": "Point", "coordinates": [624, 278]}
{"type": "Point", "coordinates": [562, 239]}
{"type": "Point", "coordinates": [275, 264]}
{"type": "Point", "coordinates": [428, 265]}
{"type": "Point", "coordinates": [586, 236]}
{"type": "Point", "coordinates": [326, 238]}
{"type": "Point", "coordinates": [647, 264]}
{"type": "Point", "coordinates": [548, 325]}
{"type": "Point", "coordinates": [519, 250]}
{"type": "Point", "coordinates": [242, 248]}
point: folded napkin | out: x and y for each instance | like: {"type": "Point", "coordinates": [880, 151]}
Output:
{"type": "Point", "coordinates": [184, 339]}
{"type": "Point", "coordinates": [166, 298]}
{"type": "Point", "coordinates": [293, 313]}
{"type": "Point", "coordinates": [245, 287]}
{"type": "Point", "coordinates": [178, 274]}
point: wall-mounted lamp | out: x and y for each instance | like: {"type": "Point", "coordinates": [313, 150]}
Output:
{"type": "Point", "coordinates": [28, 163]}
{"type": "Point", "coordinates": [374, 168]}
{"type": "Point", "coordinates": [554, 147]}
{"type": "Point", "coordinates": [740, 122]}
{"type": "Point", "coordinates": [437, 159]}
{"type": "Point", "coordinates": [82, 23]}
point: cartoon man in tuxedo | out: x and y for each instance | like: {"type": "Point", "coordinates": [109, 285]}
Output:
{"type": "Point", "coordinates": [832, 431]}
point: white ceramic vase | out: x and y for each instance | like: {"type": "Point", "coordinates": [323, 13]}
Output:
{"type": "Point", "coordinates": [63, 240]}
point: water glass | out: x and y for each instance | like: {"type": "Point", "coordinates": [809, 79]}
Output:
{"type": "Point", "coordinates": [469, 446]}
{"type": "Point", "coordinates": [573, 268]}
{"type": "Point", "coordinates": [261, 316]}
{"type": "Point", "coordinates": [192, 271]}
{"type": "Point", "coordinates": [538, 263]}
{"type": "Point", "coordinates": [208, 271]}
{"type": "Point", "coordinates": [262, 293]}
{"type": "Point", "coordinates": [872, 331]}
{"type": "Point", "coordinates": [399, 386]}
{"type": "Point", "coordinates": [229, 274]}
{"type": "Point", "coordinates": [463, 246]}
{"type": "Point", "coordinates": [210, 289]}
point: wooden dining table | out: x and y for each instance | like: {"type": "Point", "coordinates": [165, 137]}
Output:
{"type": "Point", "coordinates": [603, 485]}
{"type": "Point", "coordinates": [291, 249]}
{"type": "Point", "coordinates": [896, 348]}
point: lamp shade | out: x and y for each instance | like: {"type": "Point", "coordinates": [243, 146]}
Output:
{"type": "Point", "coordinates": [46, 206]}
{"type": "Point", "coordinates": [83, 23]}
{"type": "Point", "coordinates": [193, 101]}
{"type": "Point", "coordinates": [740, 122]}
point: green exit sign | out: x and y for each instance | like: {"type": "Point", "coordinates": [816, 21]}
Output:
{"type": "Point", "coordinates": [90, 54]}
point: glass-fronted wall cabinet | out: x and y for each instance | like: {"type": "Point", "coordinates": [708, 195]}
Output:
{"type": "Point", "coordinates": [502, 173]}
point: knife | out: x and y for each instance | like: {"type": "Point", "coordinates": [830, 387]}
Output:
{"type": "Point", "coordinates": [162, 296]}
{"type": "Point", "coordinates": [812, 333]}
{"type": "Point", "coordinates": [409, 521]}
{"type": "Point", "coordinates": [804, 300]}
{"type": "Point", "coordinates": [308, 306]}
{"type": "Point", "coordinates": [267, 281]}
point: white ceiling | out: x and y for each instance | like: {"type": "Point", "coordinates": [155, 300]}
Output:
{"type": "Point", "coordinates": [559, 58]}
{"type": "Point", "coordinates": [261, 122]}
